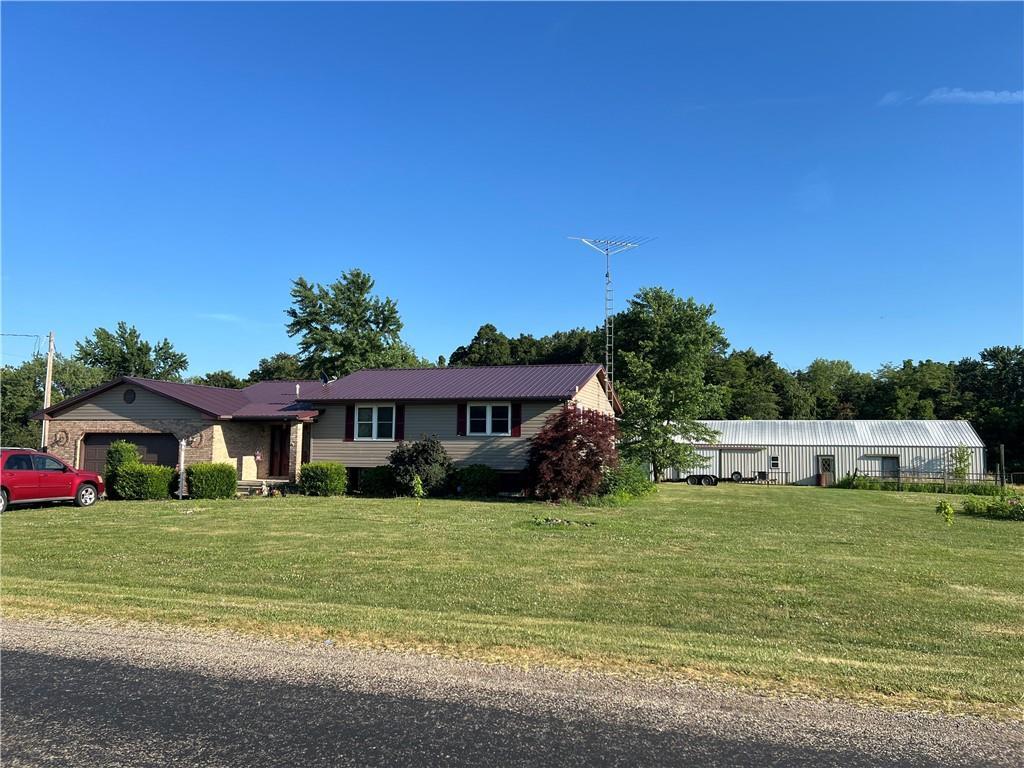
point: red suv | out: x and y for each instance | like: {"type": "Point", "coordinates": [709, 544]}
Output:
{"type": "Point", "coordinates": [28, 477]}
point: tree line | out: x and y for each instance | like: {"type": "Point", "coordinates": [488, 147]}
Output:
{"type": "Point", "coordinates": [674, 366]}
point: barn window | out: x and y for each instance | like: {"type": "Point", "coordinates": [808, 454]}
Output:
{"type": "Point", "coordinates": [773, 462]}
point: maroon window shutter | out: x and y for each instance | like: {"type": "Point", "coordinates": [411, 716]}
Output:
{"type": "Point", "coordinates": [350, 423]}
{"type": "Point", "coordinates": [399, 422]}
{"type": "Point", "coordinates": [517, 419]}
{"type": "Point", "coordinates": [460, 419]}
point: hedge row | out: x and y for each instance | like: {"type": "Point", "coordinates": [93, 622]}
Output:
{"type": "Point", "coordinates": [864, 483]}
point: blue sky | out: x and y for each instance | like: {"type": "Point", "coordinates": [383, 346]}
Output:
{"type": "Point", "coordinates": [839, 181]}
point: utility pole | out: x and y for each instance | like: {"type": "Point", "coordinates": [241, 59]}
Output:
{"type": "Point", "coordinates": [609, 248]}
{"type": "Point", "coordinates": [47, 387]}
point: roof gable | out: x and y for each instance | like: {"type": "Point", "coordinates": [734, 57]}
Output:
{"type": "Point", "coordinates": [254, 402]}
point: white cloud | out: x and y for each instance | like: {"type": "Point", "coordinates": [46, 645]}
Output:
{"type": "Point", "coordinates": [982, 98]}
{"type": "Point", "coordinates": [894, 99]}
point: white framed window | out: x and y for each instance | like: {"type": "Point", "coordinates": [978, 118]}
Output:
{"type": "Point", "coordinates": [375, 421]}
{"type": "Point", "coordinates": [489, 419]}
{"type": "Point", "coordinates": [773, 462]}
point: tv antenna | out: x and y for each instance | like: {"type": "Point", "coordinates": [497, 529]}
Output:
{"type": "Point", "coordinates": [610, 248]}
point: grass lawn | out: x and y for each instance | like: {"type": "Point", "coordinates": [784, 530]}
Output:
{"type": "Point", "coordinates": [862, 594]}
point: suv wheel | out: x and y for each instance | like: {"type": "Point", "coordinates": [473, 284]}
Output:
{"type": "Point", "coordinates": [86, 495]}
{"type": "Point", "coordinates": [3, 501]}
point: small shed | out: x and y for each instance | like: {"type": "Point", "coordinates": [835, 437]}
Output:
{"type": "Point", "coordinates": [805, 452]}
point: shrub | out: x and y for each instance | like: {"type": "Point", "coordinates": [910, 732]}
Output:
{"type": "Point", "coordinates": [425, 457]}
{"type": "Point", "coordinates": [323, 478]}
{"type": "Point", "coordinates": [211, 481]}
{"type": "Point", "coordinates": [120, 453]}
{"type": "Point", "coordinates": [571, 453]}
{"type": "Point", "coordinates": [1009, 507]}
{"type": "Point", "coordinates": [627, 481]}
{"type": "Point", "coordinates": [945, 509]}
{"type": "Point", "coordinates": [476, 480]}
{"type": "Point", "coordinates": [378, 482]}
{"type": "Point", "coordinates": [417, 488]}
{"type": "Point", "coordinates": [140, 482]}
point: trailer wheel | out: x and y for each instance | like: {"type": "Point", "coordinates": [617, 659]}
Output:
{"type": "Point", "coordinates": [737, 477]}
{"type": "Point", "coordinates": [707, 480]}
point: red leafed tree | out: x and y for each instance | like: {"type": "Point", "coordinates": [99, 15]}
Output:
{"type": "Point", "coordinates": [570, 453]}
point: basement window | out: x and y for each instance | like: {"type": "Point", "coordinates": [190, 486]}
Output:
{"type": "Point", "coordinates": [375, 422]}
{"type": "Point", "coordinates": [489, 418]}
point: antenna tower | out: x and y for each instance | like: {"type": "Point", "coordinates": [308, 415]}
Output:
{"type": "Point", "coordinates": [610, 248]}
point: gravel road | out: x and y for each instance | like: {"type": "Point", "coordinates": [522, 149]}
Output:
{"type": "Point", "coordinates": [111, 695]}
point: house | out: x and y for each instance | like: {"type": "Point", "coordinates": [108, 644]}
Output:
{"type": "Point", "coordinates": [259, 429]}
{"type": "Point", "coordinates": [798, 452]}
{"type": "Point", "coordinates": [267, 430]}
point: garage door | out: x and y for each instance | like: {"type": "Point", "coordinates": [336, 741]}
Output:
{"type": "Point", "coordinates": [153, 449]}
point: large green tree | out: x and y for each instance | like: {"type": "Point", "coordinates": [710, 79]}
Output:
{"type": "Point", "coordinates": [22, 394]}
{"type": "Point", "coordinates": [665, 344]}
{"type": "Point", "coordinates": [279, 367]}
{"type": "Point", "coordinates": [125, 353]}
{"type": "Point", "coordinates": [488, 347]}
{"type": "Point", "coordinates": [837, 390]}
{"type": "Point", "coordinates": [992, 398]}
{"type": "Point", "coordinates": [222, 378]}
{"type": "Point", "coordinates": [343, 327]}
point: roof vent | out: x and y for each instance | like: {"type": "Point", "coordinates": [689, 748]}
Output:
{"type": "Point", "coordinates": [296, 390]}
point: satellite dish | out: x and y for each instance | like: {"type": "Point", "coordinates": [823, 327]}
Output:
{"type": "Point", "coordinates": [323, 379]}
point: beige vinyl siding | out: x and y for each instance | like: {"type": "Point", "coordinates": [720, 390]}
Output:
{"type": "Point", "coordinates": [110, 405]}
{"type": "Point", "coordinates": [506, 453]}
{"type": "Point", "coordinates": [592, 396]}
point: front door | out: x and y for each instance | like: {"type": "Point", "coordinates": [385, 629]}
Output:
{"type": "Point", "coordinates": [826, 470]}
{"type": "Point", "coordinates": [278, 465]}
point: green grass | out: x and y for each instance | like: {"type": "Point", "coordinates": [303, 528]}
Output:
{"type": "Point", "coordinates": [860, 594]}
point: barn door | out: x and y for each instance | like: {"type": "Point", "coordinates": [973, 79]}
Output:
{"type": "Point", "coordinates": [826, 470]}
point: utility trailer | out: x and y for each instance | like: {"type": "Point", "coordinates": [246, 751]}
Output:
{"type": "Point", "coordinates": [709, 478]}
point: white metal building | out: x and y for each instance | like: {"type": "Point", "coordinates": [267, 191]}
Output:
{"type": "Point", "coordinates": [799, 451]}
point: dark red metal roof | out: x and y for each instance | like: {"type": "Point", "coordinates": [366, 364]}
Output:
{"type": "Point", "coordinates": [509, 382]}
{"type": "Point", "coordinates": [277, 399]}
{"type": "Point", "coordinates": [264, 400]}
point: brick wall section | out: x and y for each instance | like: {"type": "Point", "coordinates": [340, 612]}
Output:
{"type": "Point", "coordinates": [65, 438]}
{"type": "Point", "coordinates": [294, 451]}
{"type": "Point", "coordinates": [236, 443]}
